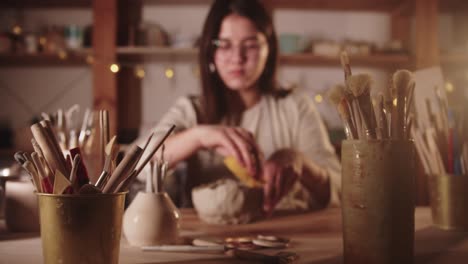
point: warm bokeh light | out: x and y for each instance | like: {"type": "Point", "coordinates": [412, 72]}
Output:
{"type": "Point", "coordinates": [169, 73]}
{"type": "Point", "coordinates": [17, 30]}
{"type": "Point", "coordinates": [42, 41]}
{"type": "Point", "coordinates": [140, 72]}
{"type": "Point", "coordinates": [62, 55]}
{"type": "Point", "coordinates": [318, 98]}
{"type": "Point", "coordinates": [449, 87]}
{"type": "Point", "coordinates": [114, 68]}
{"type": "Point", "coordinates": [395, 101]}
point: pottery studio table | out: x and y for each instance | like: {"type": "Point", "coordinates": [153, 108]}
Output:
{"type": "Point", "coordinates": [315, 236]}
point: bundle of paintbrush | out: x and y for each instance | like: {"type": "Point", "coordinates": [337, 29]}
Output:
{"type": "Point", "coordinates": [53, 170]}
{"type": "Point", "coordinates": [389, 120]}
{"type": "Point", "coordinates": [443, 145]}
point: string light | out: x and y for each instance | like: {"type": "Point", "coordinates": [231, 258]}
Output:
{"type": "Point", "coordinates": [318, 98]}
{"type": "Point", "coordinates": [17, 30]}
{"type": "Point", "coordinates": [449, 87]}
{"type": "Point", "coordinates": [169, 73]}
{"type": "Point", "coordinates": [114, 68]}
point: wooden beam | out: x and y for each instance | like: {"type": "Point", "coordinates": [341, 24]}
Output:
{"type": "Point", "coordinates": [105, 94]}
{"type": "Point", "coordinates": [426, 39]}
{"type": "Point", "coordinates": [129, 86]}
{"type": "Point", "coordinates": [401, 27]}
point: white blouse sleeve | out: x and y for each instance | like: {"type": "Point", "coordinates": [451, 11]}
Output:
{"type": "Point", "coordinates": [182, 114]}
{"type": "Point", "coordinates": [313, 141]}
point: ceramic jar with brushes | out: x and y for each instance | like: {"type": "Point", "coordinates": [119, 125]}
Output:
{"type": "Point", "coordinates": [152, 218]}
{"type": "Point", "coordinates": [378, 169]}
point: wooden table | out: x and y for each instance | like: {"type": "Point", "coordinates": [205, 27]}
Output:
{"type": "Point", "coordinates": [316, 237]}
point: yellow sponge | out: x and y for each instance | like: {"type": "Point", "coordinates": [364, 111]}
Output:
{"type": "Point", "coordinates": [241, 173]}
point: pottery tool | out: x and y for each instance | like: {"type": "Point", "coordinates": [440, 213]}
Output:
{"type": "Point", "coordinates": [149, 171]}
{"type": "Point", "coordinates": [111, 151]}
{"type": "Point", "coordinates": [360, 86]}
{"type": "Point", "coordinates": [32, 171]}
{"type": "Point", "coordinates": [73, 174]}
{"type": "Point", "coordinates": [45, 181]}
{"type": "Point", "coordinates": [153, 151]}
{"type": "Point", "coordinates": [57, 151]}
{"type": "Point", "coordinates": [241, 173]}
{"type": "Point", "coordinates": [337, 97]}
{"type": "Point", "coordinates": [61, 184]}
{"type": "Point", "coordinates": [81, 173]}
{"type": "Point", "coordinates": [124, 169]}
{"type": "Point", "coordinates": [85, 127]}
{"type": "Point", "coordinates": [123, 186]}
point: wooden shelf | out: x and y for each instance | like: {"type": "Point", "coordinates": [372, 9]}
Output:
{"type": "Point", "coordinates": [454, 60]}
{"type": "Point", "coordinates": [46, 3]}
{"type": "Point", "coordinates": [76, 58]}
{"type": "Point", "coordinates": [390, 61]}
{"type": "Point", "coordinates": [141, 54]}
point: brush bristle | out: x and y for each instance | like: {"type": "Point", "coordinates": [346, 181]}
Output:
{"type": "Point", "coordinates": [401, 80]}
{"type": "Point", "coordinates": [359, 84]}
{"type": "Point", "coordinates": [336, 94]}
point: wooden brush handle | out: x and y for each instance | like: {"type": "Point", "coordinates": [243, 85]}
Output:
{"type": "Point", "coordinates": [124, 169]}
{"type": "Point", "coordinates": [52, 155]}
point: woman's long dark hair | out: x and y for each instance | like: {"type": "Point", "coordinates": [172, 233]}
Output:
{"type": "Point", "coordinates": [217, 99]}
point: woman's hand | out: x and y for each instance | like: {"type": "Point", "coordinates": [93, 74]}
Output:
{"type": "Point", "coordinates": [284, 168]}
{"type": "Point", "coordinates": [231, 141]}
{"type": "Point", "coordinates": [280, 172]}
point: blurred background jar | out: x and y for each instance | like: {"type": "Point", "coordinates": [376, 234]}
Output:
{"type": "Point", "coordinates": [31, 43]}
{"type": "Point", "coordinates": [73, 36]}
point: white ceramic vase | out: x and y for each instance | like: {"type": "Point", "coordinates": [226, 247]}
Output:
{"type": "Point", "coordinates": [151, 219]}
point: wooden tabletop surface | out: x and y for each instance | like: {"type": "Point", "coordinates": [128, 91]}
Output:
{"type": "Point", "coordinates": [315, 236]}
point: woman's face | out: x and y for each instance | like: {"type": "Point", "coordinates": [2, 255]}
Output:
{"type": "Point", "coordinates": [241, 53]}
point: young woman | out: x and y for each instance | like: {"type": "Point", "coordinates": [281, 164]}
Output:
{"type": "Point", "coordinates": [241, 112]}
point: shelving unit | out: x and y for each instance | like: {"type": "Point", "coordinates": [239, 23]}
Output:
{"type": "Point", "coordinates": [112, 18]}
{"type": "Point", "coordinates": [71, 58]}
{"type": "Point", "coordinates": [384, 61]}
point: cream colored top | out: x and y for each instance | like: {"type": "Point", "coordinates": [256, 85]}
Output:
{"type": "Point", "coordinates": [276, 123]}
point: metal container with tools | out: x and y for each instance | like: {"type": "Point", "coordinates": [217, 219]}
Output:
{"type": "Point", "coordinates": [378, 189]}
{"type": "Point", "coordinates": [81, 229]}
{"type": "Point", "coordinates": [449, 201]}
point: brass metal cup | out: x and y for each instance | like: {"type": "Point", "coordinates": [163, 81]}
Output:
{"type": "Point", "coordinates": [449, 201]}
{"type": "Point", "coordinates": [378, 188]}
{"type": "Point", "coordinates": [81, 229]}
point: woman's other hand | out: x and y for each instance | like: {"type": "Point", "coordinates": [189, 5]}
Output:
{"type": "Point", "coordinates": [284, 168]}
{"type": "Point", "coordinates": [231, 141]}
{"type": "Point", "coordinates": [280, 172]}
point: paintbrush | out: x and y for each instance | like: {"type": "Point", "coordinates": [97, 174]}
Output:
{"type": "Point", "coordinates": [383, 122]}
{"type": "Point", "coordinates": [352, 104]}
{"type": "Point", "coordinates": [360, 85]}
{"type": "Point", "coordinates": [402, 80]}
{"type": "Point", "coordinates": [337, 97]}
